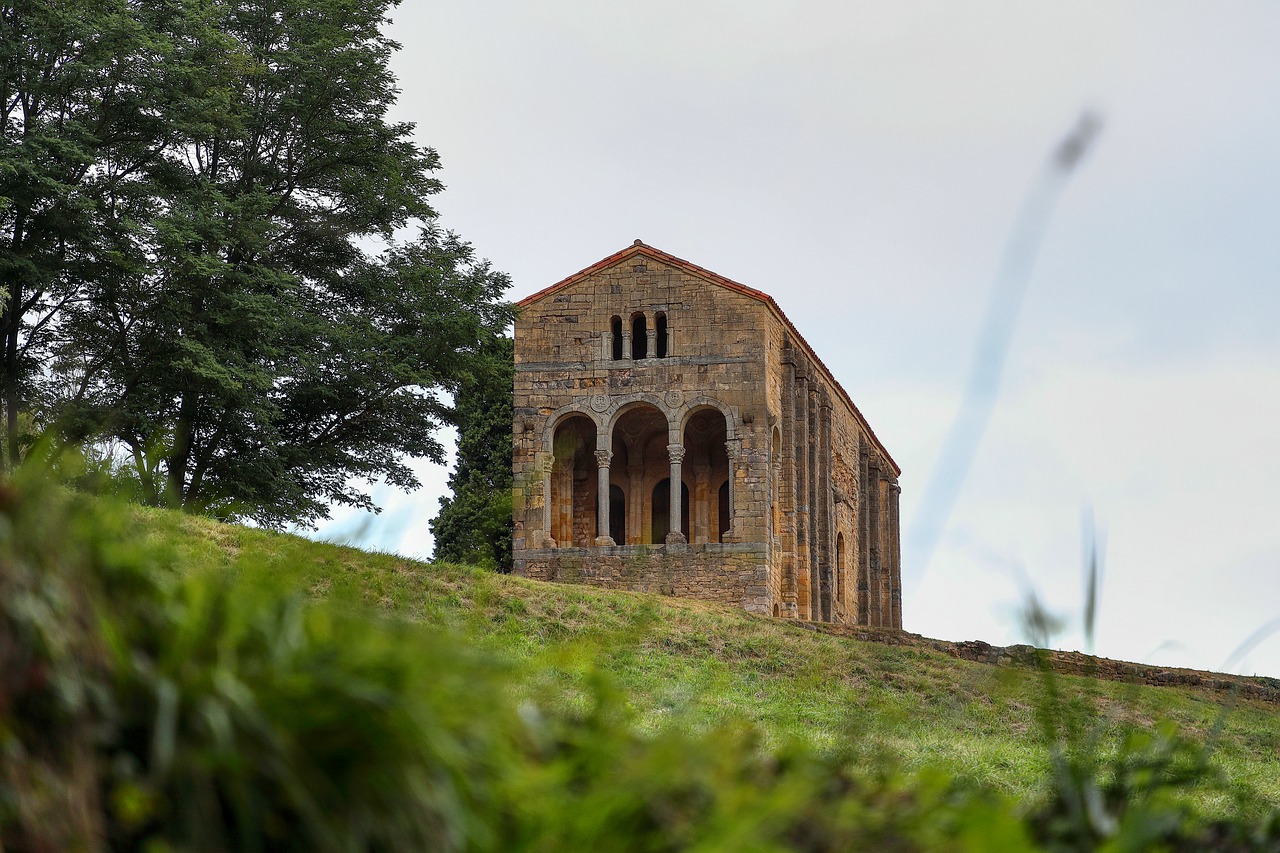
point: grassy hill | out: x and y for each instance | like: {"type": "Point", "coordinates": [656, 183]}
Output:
{"type": "Point", "coordinates": [685, 664]}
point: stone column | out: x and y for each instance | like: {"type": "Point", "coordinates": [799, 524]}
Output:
{"type": "Point", "coordinates": [635, 503]}
{"type": "Point", "coordinates": [626, 343]}
{"type": "Point", "coordinates": [815, 533]}
{"type": "Point", "coordinates": [864, 538]}
{"type": "Point", "coordinates": [825, 537]}
{"type": "Point", "coordinates": [545, 467]}
{"type": "Point", "coordinates": [775, 504]}
{"type": "Point", "coordinates": [733, 450]}
{"type": "Point", "coordinates": [801, 404]}
{"type": "Point", "coordinates": [875, 613]}
{"type": "Point", "coordinates": [895, 546]}
{"type": "Point", "coordinates": [699, 520]}
{"type": "Point", "coordinates": [652, 335]}
{"type": "Point", "coordinates": [674, 534]}
{"type": "Point", "coordinates": [564, 509]}
{"type": "Point", "coordinates": [788, 488]}
{"type": "Point", "coordinates": [602, 498]}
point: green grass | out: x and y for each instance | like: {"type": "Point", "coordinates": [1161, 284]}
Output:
{"type": "Point", "coordinates": [694, 665]}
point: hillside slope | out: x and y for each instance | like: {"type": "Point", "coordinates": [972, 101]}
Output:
{"type": "Point", "coordinates": [690, 664]}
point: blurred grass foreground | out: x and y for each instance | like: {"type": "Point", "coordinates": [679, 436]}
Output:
{"type": "Point", "coordinates": [168, 683]}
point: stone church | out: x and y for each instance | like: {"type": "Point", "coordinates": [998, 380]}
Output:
{"type": "Point", "coordinates": [675, 434]}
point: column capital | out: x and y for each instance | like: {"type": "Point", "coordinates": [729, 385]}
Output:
{"type": "Point", "coordinates": [675, 452]}
{"type": "Point", "coordinates": [603, 457]}
{"type": "Point", "coordinates": [733, 448]}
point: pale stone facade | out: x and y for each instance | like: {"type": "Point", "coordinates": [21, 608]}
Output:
{"type": "Point", "coordinates": [674, 433]}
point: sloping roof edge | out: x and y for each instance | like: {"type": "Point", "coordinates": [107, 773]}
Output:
{"type": "Point", "coordinates": [640, 248]}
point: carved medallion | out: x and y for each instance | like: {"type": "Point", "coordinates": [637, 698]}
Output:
{"type": "Point", "coordinates": [600, 402]}
{"type": "Point", "coordinates": [674, 399]}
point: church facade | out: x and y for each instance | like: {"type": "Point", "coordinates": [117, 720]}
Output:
{"type": "Point", "coordinates": [675, 434]}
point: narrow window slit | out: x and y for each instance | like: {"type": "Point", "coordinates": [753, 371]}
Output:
{"type": "Point", "coordinates": [639, 337]}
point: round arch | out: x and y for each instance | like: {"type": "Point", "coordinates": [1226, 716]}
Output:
{"type": "Point", "coordinates": [697, 404]}
{"type": "Point", "coordinates": [624, 404]}
{"type": "Point", "coordinates": [559, 416]}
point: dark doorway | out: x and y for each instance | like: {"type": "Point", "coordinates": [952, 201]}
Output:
{"type": "Point", "coordinates": [662, 511]}
{"type": "Point", "coordinates": [617, 515]}
{"type": "Point", "coordinates": [724, 510]}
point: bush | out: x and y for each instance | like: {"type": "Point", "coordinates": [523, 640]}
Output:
{"type": "Point", "coordinates": [142, 707]}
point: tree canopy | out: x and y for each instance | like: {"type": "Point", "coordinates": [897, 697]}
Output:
{"type": "Point", "coordinates": [204, 259]}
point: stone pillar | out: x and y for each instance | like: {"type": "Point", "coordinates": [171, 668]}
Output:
{"type": "Point", "coordinates": [775, 503]}
{"type": "Point", "coordinates": [545, 467]}
{"type": "Point", "coordinates": [699, 520]}
{"type": "Point", "coordinates": [626, 343]}
{"type": "Point", "coordinates": [564, 508]}
{"type": "Point", "coordinates": [733, 450]}
{"type": "Point", "coordinates": [825, 538]}
{"type": "Point", "coordinates": [603, 538]}
{"type": "Point", "coordinates": [787, 490]}
{"type": "Point", "coordinates": [864, 538]}
{"type": "Point", "coordinates": [803, 579]}
{"type": "Point", "coordinates": [652, 335]}
{"type": "Point", "coordinates": [886, 553]}
{"type": "Point", "coordinates": [875, 613]}
{"type": "Point", "coordinates": [815, 534]}
{"type": "Point", "coordinates": [635, 503]}
{"type": "Point", "coordinates": [674, 535]}
{"type": "Point", "coordinates": [895, 545]}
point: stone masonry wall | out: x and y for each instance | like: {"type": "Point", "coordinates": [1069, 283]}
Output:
{"type": "Point", "coordinates": [732, 574]}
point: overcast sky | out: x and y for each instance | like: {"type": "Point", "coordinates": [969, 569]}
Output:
{"type": "Point", "coordinates": [864, 164]}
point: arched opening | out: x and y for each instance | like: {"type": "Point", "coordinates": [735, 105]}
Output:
{"type": "Point", "coordinates": [640, 459]}
{"type": "Point", "coordinates": [776, 611]}
{"type": "Point", "coordinates": [639, 337]}
{"type": "Point", "coordinates": [722, 502]}
{"type": "Point", "coordinates": [615, 331]}
{"type": "Point", "coordinates": [573, 483]}
{"type": "Point", "coordinates": [660, 336]}
{"type": "Point", "coordinates": [617, 515]}
{"type": "Point", "coordinates": [706, 466]}
{"type": "Point", "coordinates": [661, 504]}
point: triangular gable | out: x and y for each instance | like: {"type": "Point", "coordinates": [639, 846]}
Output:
{"type": "Point", "coordinates": [642, 249]}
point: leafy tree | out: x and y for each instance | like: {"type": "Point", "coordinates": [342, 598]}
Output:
{"type": "Point", "coordinates": [260, 362]}
{"type": "Point", "coordinates": [77, 81]}
{"type": "Point", "coordinates": [474, 524]}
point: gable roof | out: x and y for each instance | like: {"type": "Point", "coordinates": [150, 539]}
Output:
{"type": "Point", "coordinates": [642, 249]}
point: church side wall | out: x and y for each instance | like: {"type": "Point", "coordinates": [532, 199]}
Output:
{"type": "Point", "coordinates": [837, 547]}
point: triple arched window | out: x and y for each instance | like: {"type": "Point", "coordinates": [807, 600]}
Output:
{"type": "Point", "coordinates": [634, 339]}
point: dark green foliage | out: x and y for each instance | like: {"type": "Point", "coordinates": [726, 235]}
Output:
{"type": "Point", "coordinates": [474, 523]}
{"type": "Point", "coordinates": [77, 81]}
{"type": "Point", "coordinates": [189, 219]}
